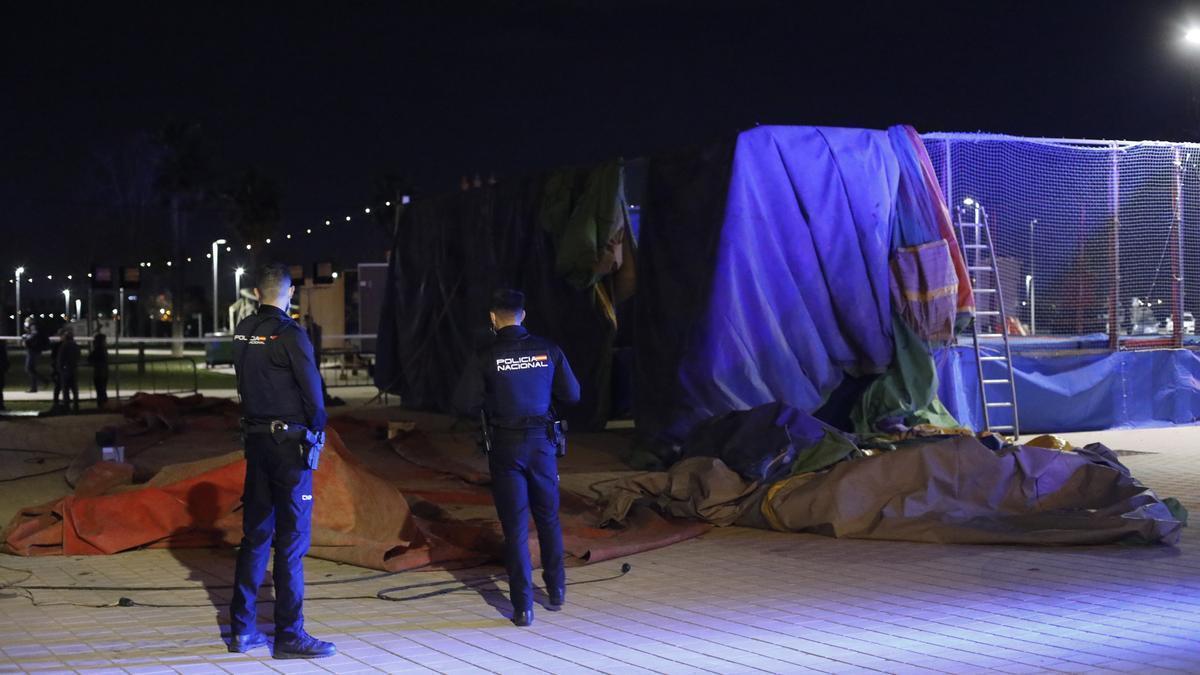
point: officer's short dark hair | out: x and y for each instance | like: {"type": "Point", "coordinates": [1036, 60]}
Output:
{"type": "Point", "coordinates": [273, 278]}
{"type": "Point", "coordinates": [507, 300]}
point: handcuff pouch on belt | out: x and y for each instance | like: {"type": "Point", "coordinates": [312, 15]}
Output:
{"type": "Point", "coordinates": [308, 442]}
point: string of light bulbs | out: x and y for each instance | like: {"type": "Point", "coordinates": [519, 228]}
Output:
{"type": "Point", "coordinates": [26, 277]}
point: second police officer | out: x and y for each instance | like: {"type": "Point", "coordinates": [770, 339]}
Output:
{"type": "Point", "coordinates": [283, 422]}
{"type": "Point", "coordinates": [515, 381]}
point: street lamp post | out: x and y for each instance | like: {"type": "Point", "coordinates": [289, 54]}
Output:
{"type": "Point", "coordinates": [215, 253]}
{"type": "Point", "coordinates": [237, 282]}
{"type": "Point", "coordinates": [20, 271]}
{"type": "Point", "coordinates": [67, 304]}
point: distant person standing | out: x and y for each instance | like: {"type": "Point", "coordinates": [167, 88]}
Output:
{"type": "Point", "coordinates": [67, 362]}
{"type": "Point", "coordinates": [315, 332]}
{"type": "Point", "coordinates": [54, 374]}
{"type": "Point", "coordinates": [98, 360]}
{"type": "Point", "coordinates": [3, 370]}
{"type": "Point", "coordinates": [35, 344]}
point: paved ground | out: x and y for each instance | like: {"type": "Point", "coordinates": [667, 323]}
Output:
{"type": "Point", "coordinates": [735, 600]}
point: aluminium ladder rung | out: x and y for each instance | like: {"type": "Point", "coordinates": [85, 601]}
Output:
{"type": "Point", "coordinates": [979, 255]}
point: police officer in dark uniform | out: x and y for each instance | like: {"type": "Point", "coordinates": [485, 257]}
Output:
{"type": "Point", "coordinates": [515, 381]}
{"type": "Point", "coordinates": [283, 426]}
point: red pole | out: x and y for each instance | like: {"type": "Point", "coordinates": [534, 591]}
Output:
{"type": "Point", "coordinates": [1114, 191]}
{"type": "Point", "coordinates": [1176, 252]}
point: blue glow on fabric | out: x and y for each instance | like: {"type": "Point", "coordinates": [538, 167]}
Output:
{"type": "Point", "coordinates": [800, 292]}
{"type": "Point", "coordinates": [1062, 391]}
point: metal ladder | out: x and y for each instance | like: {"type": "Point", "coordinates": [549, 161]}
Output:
{"type": "Point", "coordinates": [976, 240]}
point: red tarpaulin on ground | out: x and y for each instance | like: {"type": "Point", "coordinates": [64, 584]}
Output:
{"type": "Point", "coordinates": [359, 517]}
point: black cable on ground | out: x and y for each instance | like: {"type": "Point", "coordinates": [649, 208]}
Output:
{"type": "Point", "coordinates": [468, 585]}
{"type": "Point", "coordinates": [33, 475]}
{"type": "Point", "coordinates": [31, 451]}
{"type": "Point", "coordinates": [330, 582]}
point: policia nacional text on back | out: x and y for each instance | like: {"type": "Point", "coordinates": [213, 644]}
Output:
{"type": "Point", "coordinates": [514, 382]}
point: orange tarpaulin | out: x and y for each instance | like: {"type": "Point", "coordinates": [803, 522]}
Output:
{"type": "Point", "coordinates": [359, 517]}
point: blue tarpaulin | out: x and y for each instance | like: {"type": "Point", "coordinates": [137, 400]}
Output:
{"type": "Point", "coordinates": [1063, 391]}
{"type": "Point", "coordinates": [800, 285]}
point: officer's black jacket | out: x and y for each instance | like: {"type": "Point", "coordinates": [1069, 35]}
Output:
{"type": "Point", "coordinates": [516, 377]}
{"type": "Point", "coordinates": [276, 376]}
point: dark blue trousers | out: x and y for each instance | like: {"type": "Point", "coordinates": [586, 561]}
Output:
{"type": "Point", "coordinates": [31, 359]}
{"type": "Point", "coordinates": [524, 483]}
{"type": "Point", "coordinates": [277, 502]}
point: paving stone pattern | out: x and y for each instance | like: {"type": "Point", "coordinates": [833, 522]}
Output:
{"type": "Point", "coordinates": [733, 601]}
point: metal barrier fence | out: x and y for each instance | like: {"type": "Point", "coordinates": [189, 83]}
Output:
{"type": "Point", "coordinates": [146, 364]}
{"type": "Point", "coordinates": [343, 360]}
{"type": "Point", "coordinates": [158, 375]}
{"type": "Point", "coordinates": [127, 375]}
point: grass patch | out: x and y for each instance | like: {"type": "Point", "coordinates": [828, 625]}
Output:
{"type": "Point", "coordinates": [159, 375]}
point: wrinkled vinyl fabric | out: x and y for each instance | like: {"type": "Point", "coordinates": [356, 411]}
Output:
{"type": "Point", "coordinates": [930, 295]}
{"type": "Point", "coordinates": [199, 504]}
{"type": "Point", "coordinates": [679, 237]}
{"type": "Point", "coordinates": [1068, 390]}
{"type": "Point", "coordinates": [551, 235]}
{"type": "Point", "coordinates": [703, 488]}
{"type": "Point", "coordinates": [904, 396]}
{"type": "Point", "coordinates": [794, 290]}
{"type": "Point", "coordinates": [768, 442]}
{"type": "Point", "coordinates": [585, 210]}
{"type": "Point", "coordinates": [945, 491]}
{"type": "Point", "coordinates": [921, 215]}
{"type": "Point", "coordinates": [923, 289]}
{"type": "Point", "coordinates": [396, 520]}
{"type": "Point", "coordinates": [769, 280]}
{"type": "Point", "coordinates": [958, 491]}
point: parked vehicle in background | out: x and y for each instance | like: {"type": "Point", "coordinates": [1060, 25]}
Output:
{"type": "Point", "coordinates": [1167, 325]}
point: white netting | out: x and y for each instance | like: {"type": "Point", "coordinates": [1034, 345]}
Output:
{"type": "Point", "coordinates": [1083, 228]}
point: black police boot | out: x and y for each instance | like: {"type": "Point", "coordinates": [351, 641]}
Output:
{"type": "Point", "coordinates": [304, 647]}
{"type": "Point", "coordinates": [523, 618]}
{"type": "Point", "coordinates": [558, 597]}
{"type": "Point", "coordinates": [246, 642]}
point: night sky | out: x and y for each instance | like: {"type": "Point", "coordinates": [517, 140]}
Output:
{"type": "Point", "coordinates": [328, 99]}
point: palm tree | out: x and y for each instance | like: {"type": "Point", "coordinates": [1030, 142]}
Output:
{"type": "Point", "coordinates": [184, 173]}
{"type": "Point", "coordinates": [252, 209]}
